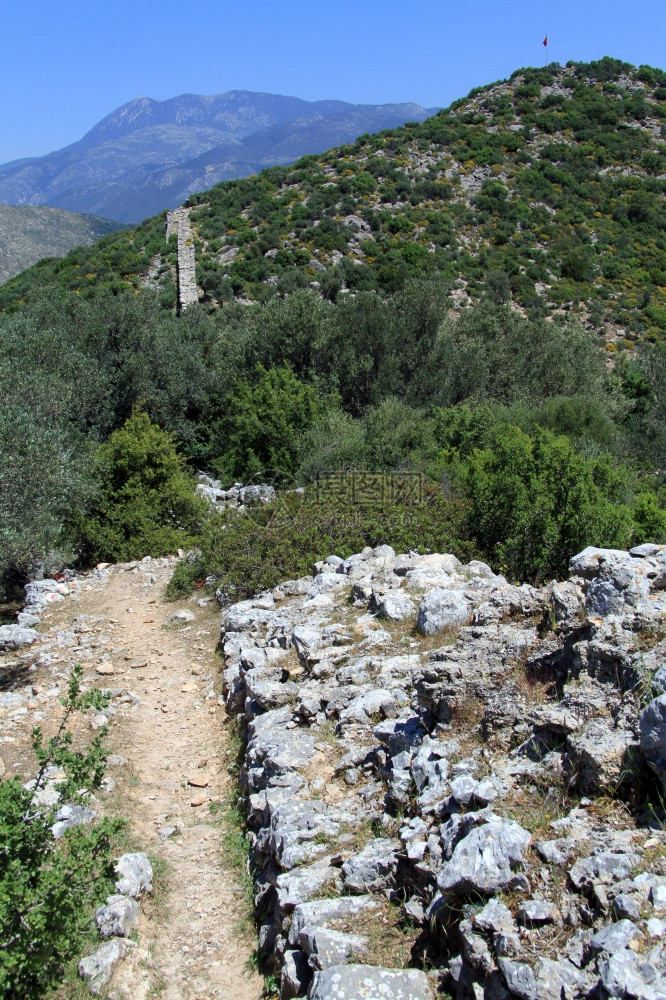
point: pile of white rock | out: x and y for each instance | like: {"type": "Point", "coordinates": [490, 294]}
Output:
{"type": "Point", "coordinates": [236, 496]}
{"type": "Point", "coordinates": [117, 919]}
{"type": "Point", "coordinates": [410, 721]}
{"type": "Point", "coordinates": [39, 594]}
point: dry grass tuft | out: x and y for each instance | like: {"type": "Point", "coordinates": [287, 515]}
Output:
{"type": "Point", "coordinates": [537, 806]}
{"type": "Point", "coordinates": [390, 942]}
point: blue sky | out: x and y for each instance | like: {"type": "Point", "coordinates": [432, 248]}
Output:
{"type": "Point", "coordinates": [65, 65]}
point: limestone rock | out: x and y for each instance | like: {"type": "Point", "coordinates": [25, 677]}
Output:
{"type": "Point", "coordinates": [308, 916]}
{"type": "Point", "coordinates": [40, 593]}
{"type": "Point", "coordinates": [506, 602]}
{"type": "Point", "coordinates": [373, 869]}
{"type": "Point", "coordinates": [319, 767]}
{"type": "Point", "coordinates": [626, 906]}
{"type": "Point", "coordinates": [16, 636]}
{"type": "Point", "coordinates": [325, 947]}
{"type": "Point", "coordinates": [614, 937]}
{"type": "Point", "coordinates": [441, 609]}
{"type": "Point", "coordinates": [305, 640]}
{"type": "Point", "coordinates": [299, 884]}
{"type": "Point", "coordinates": [292, 588]}
{"type": "Point", "coordinates": [520, 979]}
{"type": "Point", "coordinates": [626, 974]}
{"type": "Point", "coordinates": [601, 756]}
{"type": "Point", "coordinates": [10, 700]}
{"type": "Point", "coordinates": [568, 604]}
{"type": "Point", "coordinates": [534, 912]}
{"type": "Point", "coordinates": [98, 968]}
{"type": "Point", "coordinates": [367, 982]}
{"type": "Point", "coordinates": [486, 859]}
{"type": "Point", "coordinates": [135, 874]}
{"type": "Point", "coordinates": [377, 702]}
{"type": "Point", "coordinates": [652, 724]}
{"type": "Point", "coordinates": [117, 917]}
{"type": "Point", "coordinates": [325, 583]}
{"type": "Point", "coordinates": [27, 619]}
{"type": "Point", "coordinates": [588, 562]}
{"type": "Point", "coordinates": [295, 832]}
{"type": "Point", "coordinates": [68, 817]}
{"type": "Point", "coordinates": [494, 917]}
{"type": "Point", "coordinates": [296, 975]}
{"type": "Point", "coordinates": [605, 867]}
{"type": "Point", "coordinates": [262, 492]}
{"type": "Point", "coordinates": [505, 712]}
{"type": "Point", "coordinates": [47, 794]}
{"type": "Point", "coordinates": [618, 585]}
{"type": "Point", "coordinates": [557, 979]}
{"type": "Point", "coordinates": [394, 605]}
{"type": "Point", "coordinates": [556, 851]}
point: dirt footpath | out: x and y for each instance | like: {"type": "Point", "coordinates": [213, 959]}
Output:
{"type": "Point", "coordinates": [171, 745]}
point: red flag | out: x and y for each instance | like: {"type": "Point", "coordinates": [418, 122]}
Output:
{"type": "Point", "coordinates": [545, 41]}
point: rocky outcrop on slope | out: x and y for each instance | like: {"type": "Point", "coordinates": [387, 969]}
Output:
{"type": "Point", "coordinates": [430, 744]}
{"type": "Point", "coordinates": [237, 495]}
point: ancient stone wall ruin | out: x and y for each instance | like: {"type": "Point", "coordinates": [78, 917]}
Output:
{"type": "Point", "coordinates": [178, 222]}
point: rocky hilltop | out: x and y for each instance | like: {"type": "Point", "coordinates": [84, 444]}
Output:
{"type": "Point", "coordinates": [455, 783]}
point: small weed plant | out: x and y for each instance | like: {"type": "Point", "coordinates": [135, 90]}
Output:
{"type": "Point", "coordinates": [48, 887]}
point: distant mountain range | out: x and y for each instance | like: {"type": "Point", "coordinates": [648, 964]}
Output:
{"type": "Point", "coordinates": [150, 155]}
{"type": "Point", "coordinates": [30, 232]}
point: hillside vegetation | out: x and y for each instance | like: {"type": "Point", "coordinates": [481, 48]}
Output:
{"type": "Point", "coordinates": [30, 232]}
{"type": "Point", "coordinates": [549, 185]}
{"type": "Point", "coordinates": [480, 299]}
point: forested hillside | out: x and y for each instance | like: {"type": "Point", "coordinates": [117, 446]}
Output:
{"type": "Point", "coordinates": [548, 186]}
{"type": "Point", "coordinates": [480, 299]}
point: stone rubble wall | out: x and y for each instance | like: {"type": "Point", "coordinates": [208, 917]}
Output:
{"type": "Point", "coordinates": [424, 736]}
{"type": "Point", "coordinates": [178, 222]}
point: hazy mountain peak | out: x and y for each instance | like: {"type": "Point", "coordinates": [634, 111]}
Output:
{"type": "Point", "coordinates": [123, 168]}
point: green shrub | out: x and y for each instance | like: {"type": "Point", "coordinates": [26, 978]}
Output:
{"type": "Point", "coordinates": [535, 502]}
{"type": "Point", "coordinates": [42, 476]}
{"type": "Point", "coordinates": [146, 504]}
{"type": "Point", "coordinates": [281, 540]}
{"type": "Point", "coordinates": [260, 433]}
{"type": "Point", "coordinates": [364, 183]}
{"type": "Point", "coordinates": [576, 265]}
{"type": "Point", "coordinates": [335, 441]}
{"type": "Point", "coordinates": [48, 887]}
{"type": "Point", "coordinates": [396, 435]}
{"type": "Point", "coordinates": [492, 353]}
